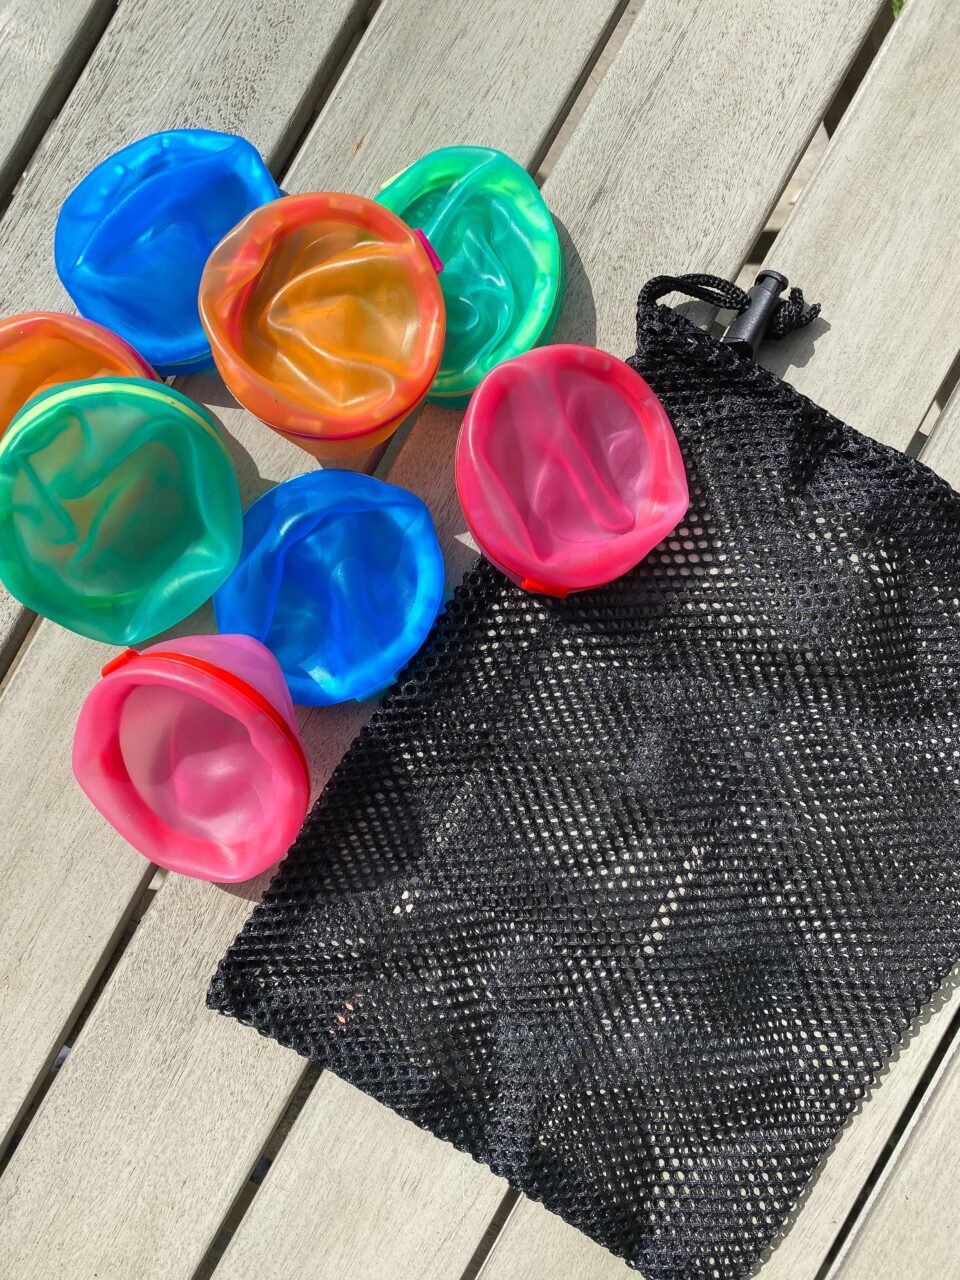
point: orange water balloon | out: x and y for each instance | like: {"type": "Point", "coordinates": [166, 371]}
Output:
{"type": "Point", "coordinates": [325, 318]}
{"type": "Point", "coordinates": [41, 349]}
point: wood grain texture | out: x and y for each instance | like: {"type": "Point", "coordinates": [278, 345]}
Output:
{"type": "Point", "coordinates": [908, 1226]}
{"type": "Point", "coordinates": [874, 237]}
{"type": "Point", "coordinates": [425, 1226]}
{"type": "Point", "coordinates": [942, 450]}
{"type": "Point", "coordinates": [536, 1243]}
{"type": "Point", "coordinates": [58, 1214]}
{"type": "Point", "coordinates": [67, 883]}
{"type": "Point", "coordinates": [42, 43]}
{"type": "Point", "coordinates": [655, 181]}
{"type": "Point", "coordinates": [191, 1172]}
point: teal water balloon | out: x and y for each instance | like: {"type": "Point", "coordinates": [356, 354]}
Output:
{"type": "Point", "coordinates": [119, 507]}
{"type": "Point", "coordinates": [502, 276]}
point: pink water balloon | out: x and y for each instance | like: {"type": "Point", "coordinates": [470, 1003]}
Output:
{"type": "Point", "coordinates": [190, 750]}
{"type": "Point", "coordinates": [568, 469]}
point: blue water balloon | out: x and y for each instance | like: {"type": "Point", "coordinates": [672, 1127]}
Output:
{"type": "Point", "coordinates": [341, 577]}
{"type": "Point", "coordinates": [133, 237]}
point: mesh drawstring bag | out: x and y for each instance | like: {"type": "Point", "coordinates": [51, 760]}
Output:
{"type": "Point", "coordinates": [632, 894]}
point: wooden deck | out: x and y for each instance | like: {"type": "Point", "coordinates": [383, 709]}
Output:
{"type": "Point", "coordinates": [172, 1142]}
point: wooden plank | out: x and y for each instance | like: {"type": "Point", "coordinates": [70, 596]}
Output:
{"type": "Point", "coordinates": [872, 344]}
{"type": "Point", "coordinates": [58, 1214]}
{"type": "Point", "coordinates": [874, 237]}
{"type": "Point", "coordinates": [534, 1242]}
{"type": "Point", "coordinates": [42, 45]}
{"type": "Point", "coordinates": [903, 1228]}
{"type": "Point", "coordinates": [185, 1174]}
{"type": "Point", "coordinates": [623, 157]}
{"type": "Point", "coordinates": [62, 905]}
{"type": "Point", "coordinates": [427, 1226]}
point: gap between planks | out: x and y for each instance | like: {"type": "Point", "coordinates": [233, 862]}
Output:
{"type": "Point", "coordinates": [17, 623]}
{"type": "Point", "coordinates": [375, 462]}
{"type": "Point", "coordinates": [875, 341]}
{"type": "Point", "coordinates": [321, 95]}
{"type": "Point", "coordinates": [892, 1211]}
{"type": "Point", "coordinates": [378, 463]}
{"type": "Point", "coordinates": [54, 39]}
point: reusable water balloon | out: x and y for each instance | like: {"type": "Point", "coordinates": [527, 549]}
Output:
{"type": "Point", "coordinates": [41, 349]}
{"type": "Point", "coordinates": [568, 469]}
{"type": "Point", "coordinates": [341, 576]}
{"type": "Point", "coordinates": [133, 237]}
{"type": "Point", "coordinates": [325, 318]}
{"type": "Point", "coordinates": [119, 507]}
{"type": "Point", "coordinates": [190, 751]}
{"type": "Point", "coordinates": [503, 267]}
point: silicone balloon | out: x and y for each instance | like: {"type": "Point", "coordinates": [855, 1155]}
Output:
{"type": "Point", "coordinates": [568, 469]}
{"type": "Point", "coordinates": [41, 349]}
{"type": "Point", "coordinates": [502, 280]}
{"type": "Point", "coordinates": [341, 576]}
{"type": "Point", "coordinates": [133, 237]}
{"type": "Point", "coordinates": [190, 751]}
{"type": "Point", "coordinates": [326, 319]}
{"type": "Point", "coordinates": [119, 507]}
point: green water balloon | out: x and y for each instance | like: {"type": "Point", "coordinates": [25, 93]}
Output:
{"type": "Point", "coordinates": [502, 276]}
{"type": "Point", "coordinates": [119, 507]}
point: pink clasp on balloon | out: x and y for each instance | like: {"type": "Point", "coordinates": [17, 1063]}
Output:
{"type": "Point", "coordinates": [431, 251]}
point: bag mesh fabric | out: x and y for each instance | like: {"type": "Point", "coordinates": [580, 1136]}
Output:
{"type": "Point", "coordinates": [631, 895]}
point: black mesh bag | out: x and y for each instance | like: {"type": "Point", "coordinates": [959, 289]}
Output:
{"type": "Point", "coordinates": [631, 895]}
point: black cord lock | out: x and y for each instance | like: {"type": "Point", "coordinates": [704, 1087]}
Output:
{"type": "Point", "coordinates": [748, 329]}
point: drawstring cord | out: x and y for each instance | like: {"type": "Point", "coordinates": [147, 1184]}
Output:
{"type": "Point", "coordinates": [789, 313]}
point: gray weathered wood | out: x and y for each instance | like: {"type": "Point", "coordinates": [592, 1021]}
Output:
{"type": "Point", "coordinates": [78, 1082]}
{"type": "Point", "coordinates": [534, 1242]}
{"type": "Point", "coordinates": [874, 237]}
{"type": "Point", "coordinates": [42, 43]}
{"type": "Point", "coordinates": [404, 1209]}
{"type": "Point", "coordinates": [59, 1216]}
{"type": "Point", "coordinates": [186, 1175]}
{"type": "Point", "coordinates": [64, 891]}
{"type": "Point", "coordinates": [907, 1227]}
{"type": "Point", "coordinates": [942, 450]}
